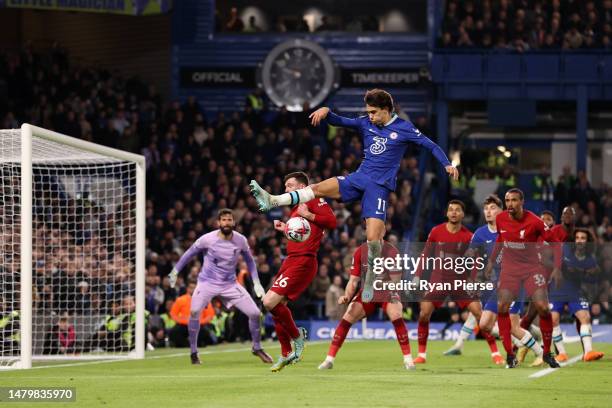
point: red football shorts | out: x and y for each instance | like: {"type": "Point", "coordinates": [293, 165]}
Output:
{"type": "Point", "coordinates": [295, 275]}
{"type": "Point", "coordinates": [531, 279]}
{"type": "Point", "coordinates": [370, 307]}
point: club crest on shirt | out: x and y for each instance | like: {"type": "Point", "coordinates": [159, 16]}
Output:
{"type": "Point", "coordinates": [393, 135]}
{"type": "Point", "coordinates": [522, 234]}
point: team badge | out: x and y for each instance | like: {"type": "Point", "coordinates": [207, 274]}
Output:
{"type": "Point", "coordinates": [393, 135]}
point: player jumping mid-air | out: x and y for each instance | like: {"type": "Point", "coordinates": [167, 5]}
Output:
{"type": "Point", "coordinates": [297, 271]}
{"type": "Point", "coordinates": [222, 249]}
{"type": "Point", "coordinates": [385, 138]}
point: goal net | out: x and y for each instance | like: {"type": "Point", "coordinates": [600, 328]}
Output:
{"type": "Point", "coordinates": [71, 249]}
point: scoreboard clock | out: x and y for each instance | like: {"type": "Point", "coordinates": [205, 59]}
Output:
{"type": "Point", "coordinates": [298, 71]}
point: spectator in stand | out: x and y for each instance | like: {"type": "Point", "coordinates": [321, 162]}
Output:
{"type": "Point", "coordinates": [333, 310]}
{"type": "Point", "coordinates": [525, 25]}
{"type": "Point", "coordinates": [60, 338]}
{"type": "Point", "coordinates": [234, 24]}
{"type": "Point", "coordinates": [320, 284]}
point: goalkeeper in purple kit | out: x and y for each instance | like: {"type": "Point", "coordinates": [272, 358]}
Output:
{"type": "Point", "coordinates": [385, 139]}
{"type": "Point", "coordinates": [222, 249]}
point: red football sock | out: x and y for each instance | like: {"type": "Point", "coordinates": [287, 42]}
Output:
{"type": "Point", "coordinates": [282, 314]}
{"type": "Point", "coordinates": [283, 339]}
{"type": "Point", "coordinates": [402, 335]}
{"type": "Point", "coordinates": [491, 341]}
{"type": "Point", "coordinates": [339, 336]}
{"type": "Point", "coordinates": [526, 321]}
{"type": "Point", "coordinates": [505, 331]}
{"type": "Point", "coordinates": [423, 334]}
{"type": "Point", "coordinates": [546, 328]}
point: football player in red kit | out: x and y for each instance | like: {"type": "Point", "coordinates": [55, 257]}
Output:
{"type": "Point", "coordinates": [297, 271]}
{"type": "Point", "coordinates": [357, 309]}
{"type": "Point", "coordinates": [447, 240]}
{"type": "Point", "coordinates": [519, 231]}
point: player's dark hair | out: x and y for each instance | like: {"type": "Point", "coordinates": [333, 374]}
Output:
{"type": "Point", "coordinates": [493, 199]}
{"type": "Point", "coordinates": [224, 211]}
{"type": "Point", "coordinates": [516, 191]}
{"type": "Point", "coordinates": [379, 99]}
{"type": "Point", "coordinates": [457, 202]}
{"type": "Point", "coordinates": [547, 212]}
{"type": "Point", "coordinates": [299, 176]}
{"type": "Point", "coordinates": [584, 231]}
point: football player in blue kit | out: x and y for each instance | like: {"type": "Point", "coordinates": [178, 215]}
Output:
{"type": "Point", "coordinates": [385, 139]}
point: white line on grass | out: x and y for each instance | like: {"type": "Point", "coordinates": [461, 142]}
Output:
{"type": "Point", "coordinates": [276, 345]}
{"type": "Point", "coordinates": [549, 370]}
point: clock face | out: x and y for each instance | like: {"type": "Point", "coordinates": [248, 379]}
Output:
{"type": "Point", "coordinates": [298, 71]}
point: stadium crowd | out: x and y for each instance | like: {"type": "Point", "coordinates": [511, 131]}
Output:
{"type": "Point", "coordinates": [283, 24]}
{"type": "Point", "coordinates": [524, 25]}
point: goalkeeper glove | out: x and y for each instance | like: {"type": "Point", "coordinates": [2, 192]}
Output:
{"type": "Point", "coordinates": [173, 275]}
{"type": "Point", "coordinates": [259, 290]}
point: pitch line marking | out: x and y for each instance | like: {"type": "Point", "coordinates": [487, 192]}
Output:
{"type": "Point", "coordinates": [275, 345]}
{"type": "Point", "coordinates": [549, 370]}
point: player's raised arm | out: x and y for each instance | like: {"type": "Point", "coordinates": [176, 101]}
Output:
{"type": "Point", "coordinates": [488, 272]}
{"type": "Point", "coordinates": [198, 247]}
{"type": "Point", "coordinates": [414, 135]}
{"type": "Point", "coordinates": [335, 120]}
{"type": "Point", "coordinates": [320, 214]}
{"type": "Point", "coordinates": [349, 291]}
{"type": "Point", "coordinates": [429, 247]}
{"type": "Point", "coordinates": [549, 236]}
{"type": "Point", "coordinates": [252, 267]}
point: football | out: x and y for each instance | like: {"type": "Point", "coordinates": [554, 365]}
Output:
{"type": "Point", "coordinates": [297, 229]}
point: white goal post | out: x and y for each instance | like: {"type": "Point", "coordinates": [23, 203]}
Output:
{"type": "Point", "coordinates": [72, 249]}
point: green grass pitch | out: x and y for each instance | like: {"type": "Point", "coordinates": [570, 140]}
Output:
{"type": "Point", "coordinates": [366, 374]}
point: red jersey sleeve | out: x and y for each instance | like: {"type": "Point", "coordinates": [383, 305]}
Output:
{"type": "Point", "coordinates": [549, 236]}
{"type": "Point", "coordinates": [324, 216]}
{"type": "Point", "coordinates": [429, 246]}
{"type": "Point", "coordinates": [356, 263]}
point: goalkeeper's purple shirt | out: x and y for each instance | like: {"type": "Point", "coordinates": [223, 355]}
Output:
{"type": "Point", "coordinates": [220, 257]}
{"type": "Point", "coordinates": [384, 146]}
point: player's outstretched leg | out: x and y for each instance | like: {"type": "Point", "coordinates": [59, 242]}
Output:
{"type": "Point", "coordinates": [402, 338]}
{"type": "Point", "coordinates": [374, 252]}
{"type": "Point", "coordinates": [267, 201]}
{"type": "Point", "coordinates": [261, 196]}
{"type": "Point", "coordinates": [466, 331]}
{"type": "Point", "coordinates": [194, 328]}
{"type": "Point", "coordinates": [586, 336]}
{"type": "Point", "coordinates": [247, 306]}
{"type": "Point", "coordinates": [546, 326]}
{"type": "Point", "coordinates": [299, 344]}
{"type": "Point", "coordinates": [339, 336]}
{"type": "Point", "coordinates": [285, 341]}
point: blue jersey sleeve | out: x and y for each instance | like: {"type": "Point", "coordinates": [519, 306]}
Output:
{"type": "Point", "coordinates": [337, 120]}
{"type": "Point", "coordinates": [477, 240]}
{"type": "Point", "coordinates": [414, 135]}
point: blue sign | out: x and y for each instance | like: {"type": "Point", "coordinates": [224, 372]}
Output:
{"type": "Point", "coordinates": [365, 330]}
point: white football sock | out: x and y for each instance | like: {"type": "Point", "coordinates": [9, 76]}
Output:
{"type": "Point", "coordinates": [529, 341]}
{"type": "Point", "coordinates": [557, 338]}
{"type": "Point", "coordinates": [466, 330]}
{"type": "Point", "coordinates": [586, 337]}
{"type": "Point", "coordinates": [302, 195]}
